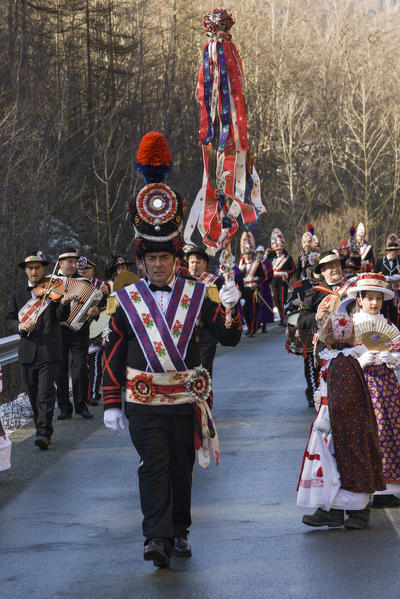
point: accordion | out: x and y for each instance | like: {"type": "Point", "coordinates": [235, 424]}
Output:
{"type": "Point", "coordinates": [89, 296]}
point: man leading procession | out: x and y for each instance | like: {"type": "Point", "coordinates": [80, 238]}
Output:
{"type": "Point", "coordinates": [153, 349]}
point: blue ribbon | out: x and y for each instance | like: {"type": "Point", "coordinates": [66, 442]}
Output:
{"type": "Point", "coordinates": [207, 83]}
{"type": "Point", "coordinates": [226, 116]}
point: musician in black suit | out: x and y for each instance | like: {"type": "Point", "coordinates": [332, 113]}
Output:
{"type": "Point", "coordinates": [39, 350]}
{"type": "Point", "coordinates": [76, 344]}
{"type": "Point", "coordinates": [389, 266]}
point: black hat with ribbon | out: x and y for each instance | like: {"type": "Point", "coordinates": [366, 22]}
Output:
{"type": "Point", "coordinates": [35, 256]}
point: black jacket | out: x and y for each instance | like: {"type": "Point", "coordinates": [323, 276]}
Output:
{"type": "Point", "coordinates": [44, 343]}
{"type": "Point", "coordinates": [123, 349]}
{"type": "Point", "coordinates": [307, 320]}
{"type": "Point", "coordinates": [383, 266]}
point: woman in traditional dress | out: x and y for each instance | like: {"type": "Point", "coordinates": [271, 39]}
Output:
{"type": "Point", "coordinates": [342, 465]}
{"type": "Point", "coordinates": [379, 372]}
{"type": "Point", "coordinates": [5, 443]}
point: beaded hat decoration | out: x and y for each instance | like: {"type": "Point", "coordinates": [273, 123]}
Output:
{"type": "Point", "coordinates": [277, 239]}
{"type": "Point", "coordinates": [392, 242]}
{"type": "Point", "coordinates": [247, 242]}
{"type": "Point", "coordinates": [157, 210]}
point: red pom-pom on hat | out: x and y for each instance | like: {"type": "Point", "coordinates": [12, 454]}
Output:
{"type": "Point", "coordinates": [154, 150]}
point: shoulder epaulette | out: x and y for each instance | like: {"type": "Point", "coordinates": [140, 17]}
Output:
{"type": "Point", "coordinates": [213, 294]}
{"type": "Point", "coordinates": [112, 304]}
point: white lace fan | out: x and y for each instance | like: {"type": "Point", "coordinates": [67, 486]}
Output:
{"type": "Point", "coordinates": [376, 335]}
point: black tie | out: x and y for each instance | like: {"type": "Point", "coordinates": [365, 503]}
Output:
{"type": "Point", "coordinates": [155, 288]}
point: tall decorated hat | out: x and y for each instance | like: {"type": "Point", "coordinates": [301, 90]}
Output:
{"type": "Point", "coordinates": [157, 210]}
{"type": "Point", "coordinates": [247, 242]}
{"type": "Point", "coordinates": [307, 237]}
{"type": "Point", "coordinates": [371, 282]}
{"type": "Point", "coordinates": [360, 234]}
{"type": "Point", "coordinates": [392, 242]}
{"type": "Point", "coordinates": [277, 240]}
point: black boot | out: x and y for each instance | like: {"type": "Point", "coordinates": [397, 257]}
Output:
{"type": "Point", "coordinates": [321, 517]}
{"type": "Point", "coordinates": [357, 518]}
{"type": "Point", "coordinates": [264, 328]}
{"type": "Point", "coordinates": [385, 501]}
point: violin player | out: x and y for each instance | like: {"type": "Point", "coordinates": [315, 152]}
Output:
{"type": "Point", "coordinates": [36, 317]}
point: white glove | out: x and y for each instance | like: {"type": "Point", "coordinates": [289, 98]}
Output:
{"type": "Point", "coordinates": [368, 358]}
{"type": "Point", "coordinates": [113, 420]}
{"type": "Point", "coordinates": [322, 422]}
{"type": "Point", "coordinates": [229, 294]}
{"type": "Point", "coordinates": [390, 359]}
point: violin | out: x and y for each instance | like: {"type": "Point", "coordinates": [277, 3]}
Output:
{"type": "Point", "coordinates": [53, 288]}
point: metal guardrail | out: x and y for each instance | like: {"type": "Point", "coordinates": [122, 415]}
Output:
{"type": "Point", "coordinates": [9, 349]}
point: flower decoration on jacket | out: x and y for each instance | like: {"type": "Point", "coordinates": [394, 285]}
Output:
{"type": "Point", "coordinates": [142, 388]}
{"type": "Point", "coordinates": [199, 385]}
{"type": "Point", "coordinates": [231, 186]}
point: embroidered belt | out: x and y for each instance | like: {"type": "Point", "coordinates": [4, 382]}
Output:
{"type": "Point", "coordinates": [177, 388]}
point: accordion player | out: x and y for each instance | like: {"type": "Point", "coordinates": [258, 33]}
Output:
{"type": "Point", "coordinates": [75, 338]}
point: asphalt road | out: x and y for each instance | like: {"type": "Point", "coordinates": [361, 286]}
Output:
{"type": "Point", "coordinates": [73, 529]}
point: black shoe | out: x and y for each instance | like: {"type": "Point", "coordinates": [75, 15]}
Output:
{"type": "Point", "coordinates": [64, 416]}
{"type": "Point", "coordinates": [357, 519]}
{"type": "Point", "coordinates": [155, 550]}
{"type": "Point", "coordinates": [321, 517]}
{"type": "Point", "coordinates": [264, 329]}
{"type": "Point", "coordinates": [182, 547]}
{"type": "Point", "coordinates": [93, 402]}
{"type": "Point", "coordinates": [85, 414]}
{"type": "Point", "coordinates": [42, 442]}
{"type": "Point", "coordinates": [385, 501]}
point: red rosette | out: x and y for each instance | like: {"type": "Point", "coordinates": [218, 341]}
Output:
{"type": "Point", "coordinates": [142, 387]}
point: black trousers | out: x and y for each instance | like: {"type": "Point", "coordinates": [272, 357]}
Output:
{"type": "Point", "coordinates": [250, 309]}
{"type": "Point", "coordinates": [311, 373]}
{"type": "Point", "coordinates": [280, 293]}
{"type": "Point", "coordinates": [77, 346]}
{"type": "Point", "coordinates": [166, 450]}
{"type": "Point", "coordinates": [95, 374]}
{"type": "Point", "coordinates": [38, 379]}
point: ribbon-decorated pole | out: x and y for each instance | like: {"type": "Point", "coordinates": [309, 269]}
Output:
{"type": "Point", "coordinates": [231, 185]}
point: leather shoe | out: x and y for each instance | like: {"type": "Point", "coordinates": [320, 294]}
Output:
{"type": "Point", "coordinates": [155, 550]}
{"type": "Point", "coordinates": [42, 442]}
{"type": "Point", "coordinates": [385, 501]}
{"type": "Point", "coordinates": [64, 416]}
{"type": "Point", "coordinates": [358, 519]}
{"type": "Point", "coordinates": [85, 414]}
{"type": "Point", "coordinates": [182, 547]}
{"type": "Point", "coordinates": [332, 518]}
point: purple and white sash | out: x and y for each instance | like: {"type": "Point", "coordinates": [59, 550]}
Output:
{"type": "Point", "coordinates": [163, 339]}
